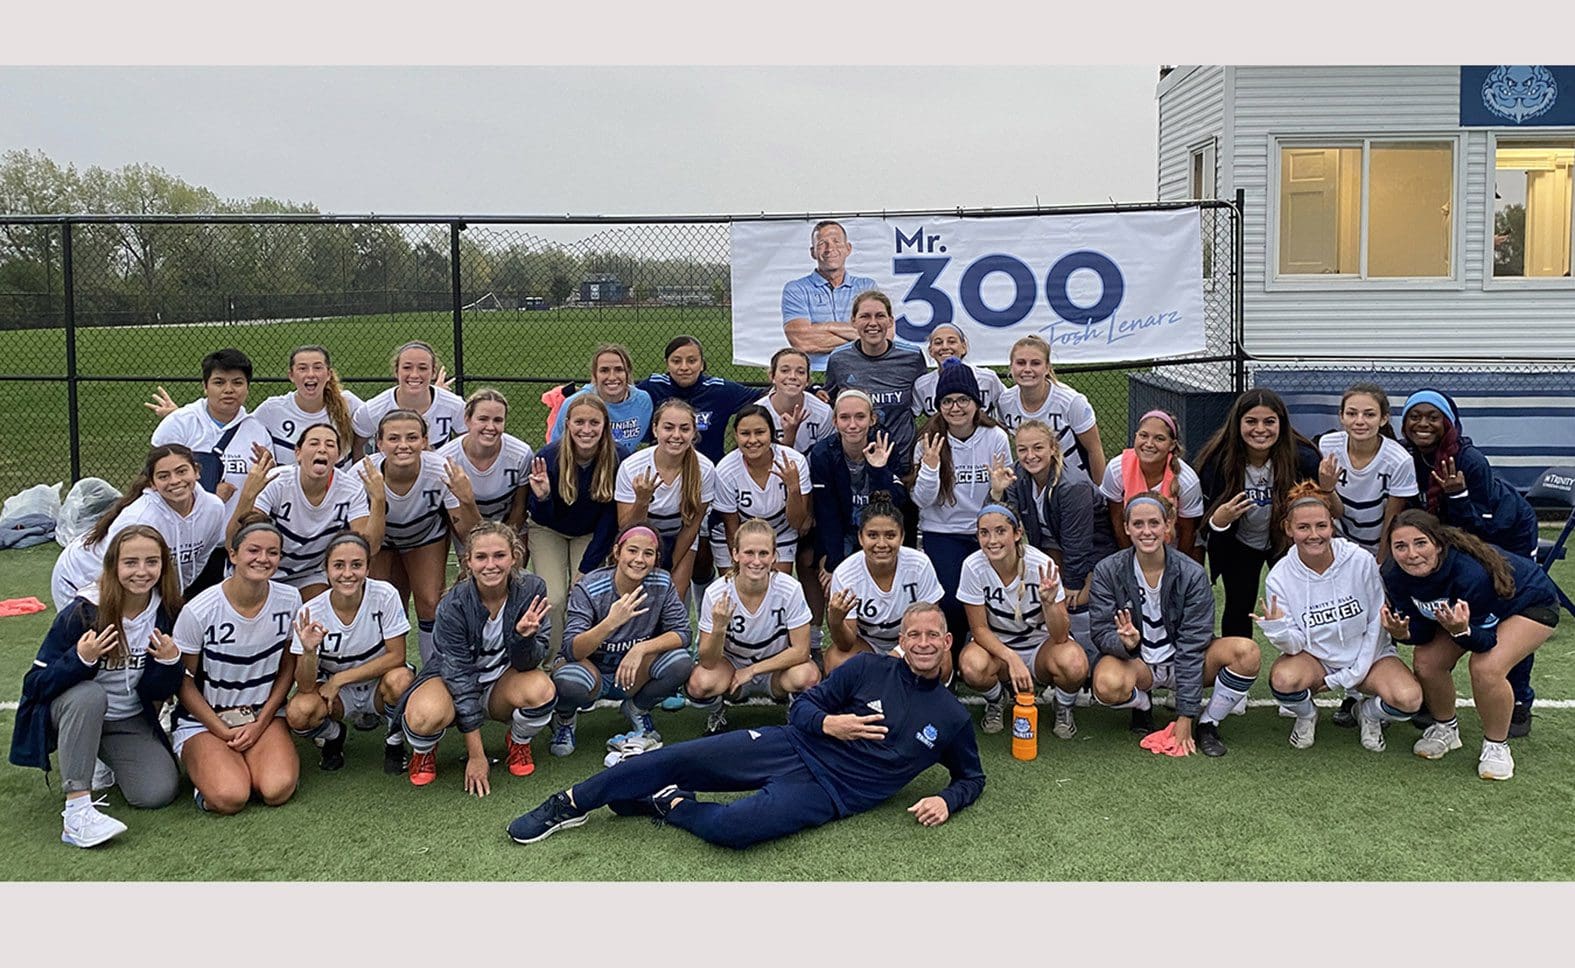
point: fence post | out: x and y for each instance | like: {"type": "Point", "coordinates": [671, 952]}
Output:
{"type": "Point", "coordinates": [68, 282]}
{"type": "Point", "coordinates": [1238, 294]}
{"type": "Point", "coordinates": [454, 229]}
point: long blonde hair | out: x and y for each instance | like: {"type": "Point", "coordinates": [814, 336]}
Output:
{"type": "Point", "coordinates": [604, 470]}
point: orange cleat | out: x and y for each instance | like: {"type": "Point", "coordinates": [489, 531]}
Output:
{"type": "Point", "coordinates": [423, 768]}
{"type": "Point", "coordinates": [521, 763]}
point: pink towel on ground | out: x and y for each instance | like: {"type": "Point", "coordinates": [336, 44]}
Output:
{"type": "Point", "coordinates": [21, 606]}
{"type": "Point", "coordinates": [1162, 742]}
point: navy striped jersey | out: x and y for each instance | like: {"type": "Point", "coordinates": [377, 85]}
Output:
{"type": "Point", "coordinates": [1365, 492]}
{"type": "Point", "coordinates": [665, 512]}
{"type": "Point", "coordinates": [816, 425]}
{"type": "Point", "coordinates": [1012, 609]}
{"type": "Point", "coordinates": [445, 415]}
{"type": "Point", "coordinates": [496, 486]}
{"type": "Point", "coordinates": [306, 527]}
{"type": "Point", "coordinates": [286, 421]}
{"type": "Point", "coordinates": [1157, 646]}
{"type": "Point", "coordinates": [240, 656]}
{"type": "Point", "coordinates": [415, 518]}
{"type": "Point", "coordinates": [346, 645]}
{"type": "Point", "coordinates": [736, 491]}
{"type": "Point", "coordinates": [878, 611]}
{"type": "Point", "coordinates": [761, 634]}
{"type": "Point", "coordinates": [1068, 413]}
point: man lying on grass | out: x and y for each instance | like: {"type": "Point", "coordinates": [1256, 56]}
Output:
{"type": "Point", "coordinates": [851, 743]}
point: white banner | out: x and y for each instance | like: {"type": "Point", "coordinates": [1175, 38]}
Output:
{"type": "Point", "coordinates": [1100, 288]}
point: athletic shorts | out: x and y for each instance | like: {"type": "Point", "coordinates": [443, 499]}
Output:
{"type": "Point", "coordinates": [1383, 653]}
{"type": "Point", "coordinates": [1542, 614]}
{"type": "Point", "coordinates": [1164, 674]}
{"type": "Point", "coordinates": [187, 729]}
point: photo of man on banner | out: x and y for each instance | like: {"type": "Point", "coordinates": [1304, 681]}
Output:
{"type": "Point", "coordinates": [815, 308]}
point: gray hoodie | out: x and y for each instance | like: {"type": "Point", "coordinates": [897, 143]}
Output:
{"type": "Point", "coordinates": [1188, 602]}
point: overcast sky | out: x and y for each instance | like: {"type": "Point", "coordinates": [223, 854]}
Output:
{"type": "Point", "coordinates": [605, 140]}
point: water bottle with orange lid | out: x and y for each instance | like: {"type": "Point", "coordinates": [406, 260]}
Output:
{"type": "Point", "coordinates": [1025, 727]}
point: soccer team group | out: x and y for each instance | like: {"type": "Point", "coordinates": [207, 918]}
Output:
{"type": "Point", "coordinates": [864, 548]}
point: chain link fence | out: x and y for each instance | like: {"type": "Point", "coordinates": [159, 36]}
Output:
{"type": "Point", "coordinates": [96, 312]}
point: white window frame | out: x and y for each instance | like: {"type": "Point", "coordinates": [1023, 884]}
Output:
{"type": "Point", "coordinates": [1275, 281]}
{"type": "Point", "coordinates": [1511, 283]}
{"type": "Point", "coordinates": [1209, 151]}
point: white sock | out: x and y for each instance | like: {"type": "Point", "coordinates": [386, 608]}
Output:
{"type": "Point", "coordinates": [79, 804]}
{"type": "Point", "coordinates": [993, 694]}
{"type": "Point", "coordinates": [1065, 698]}
{"type": "Point", "coordinates": [1138, 700]}
{"type": "Point", "coordinates": [1229, 689]}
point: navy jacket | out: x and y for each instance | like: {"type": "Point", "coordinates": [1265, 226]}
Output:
{"type": "Point", "coordinates": [925, 725]}
{"type": "Point", "coordinates": [715, 401]}
{"type": "Point", "coordinates": [1071, 520]}
{"type": "Point", "coordinates": [1460, 577]}
{"type": "Point", "coordinates": [585, 516]}
{"type": "Point", "coordinates": [58, 667]}
{"type": "Point", "coordinates": [835, 516]}
{"type": "Point", "coordinates": [1490, 509]}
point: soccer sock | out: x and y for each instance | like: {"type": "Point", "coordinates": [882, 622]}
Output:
{"type": "Point", "coordinates": [1381, 710]}
{"type": "Point", "coordinates": [526, 723]}
{"type": "Point", "coordinates": [396, 735]}
{"type": "Point", "coordinates": [1065, 698]}
{"type": "Point", "coordinates": [325, 731]}
{"type": "Point", "coordinates": [422, 743]}
{"type": "Point", "coordinates": [425, 635]}
{"type": "Point", "coordinates": [993, 694]}
{"type": "Point", "coordinates": [1138, 700]}
{"type": "Point", "coordinates": [701, 703]}
{"type": "Point", "coordinates": [1298, 703]}
{"type": "Point", "coordinates": [1229, 689]}
{"type": "Point", "coordinates": [1452, 722]}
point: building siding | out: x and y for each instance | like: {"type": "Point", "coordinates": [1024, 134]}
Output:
{"type": "Point", "coordinates": [1191, 111]}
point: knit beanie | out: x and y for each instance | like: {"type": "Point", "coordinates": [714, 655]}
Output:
{"type": "Point", "coordinates": [956, 377]}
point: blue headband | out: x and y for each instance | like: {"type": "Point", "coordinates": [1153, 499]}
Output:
{"type": "Point", "coordinates": [1432, 398]}
{"type": "Point", "coordinates": [999, 509]}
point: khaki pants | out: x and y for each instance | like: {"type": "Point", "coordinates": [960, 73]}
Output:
{"type": "Point", "coordinates": [556, 558]}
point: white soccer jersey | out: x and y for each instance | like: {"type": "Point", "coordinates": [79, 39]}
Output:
{"type": "Point", "coordinates": [445, 415]}
{"type": "Point", "coordinates": [1365, 492]}
{"type": "Point", "coordinates": [192, 426]}
{"type": "Point", "coordinates": [991, 390]}
{"type": "Point", "coordinates": [761, 634]}
{"type": "Point", "coordinates": [307, 528]}
{"type": "Point", "coordinates": [1012, 611]}
{"type": "Point", "coordinates": [192, 539]}
{"type": "Point", "coordinates": [971, 461]}
{"type": "Point", "coordinates": [415, 518]}
{"type": "Point", "coordinates": [737, 491]}
{"type": "Point", "coordinates": [1157, 647]}
{"type": "Point", "coordinates": [1188, 499]}
{"type": "Point", "coordinates": [496, 486]}
{"type": "Point", "coordinates": [816, 425]}
{"type": "Point", "coordinates": [240, 655]}
{"type": "Point", "coordinates": [286, 421]}
{"type": "Point", "coordinates": [348, 645]}
{"type": "Point", "coordinates": [879, 610]}
{"type": "Point", "coordinates": [1068, 413]}
{"type": "Point", "coordinates": [665, 512]}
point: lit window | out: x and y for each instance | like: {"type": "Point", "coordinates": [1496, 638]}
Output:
{"type": "Point", "coordinates": [1531, 210]}
{"type": "Point", "coordinates": [1401, 208]}
{"type": "Point", "coordinates": [1200, 184]}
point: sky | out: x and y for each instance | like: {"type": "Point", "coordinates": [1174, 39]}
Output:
{"type": "Point", "coordinates": [607, 140]}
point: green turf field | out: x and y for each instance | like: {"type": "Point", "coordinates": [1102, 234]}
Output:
{"type": "Point", "coordinates": [499, 347]}
{"type": "Point", "coordinates": [1096, 808]}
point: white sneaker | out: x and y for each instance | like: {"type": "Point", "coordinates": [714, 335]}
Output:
{"type": "Point", "coordinates": [1437, 740]}
{"type": "Point", "coordinates": [89, 828]}
{"type": "Point", "coordinates": [1303, 732]}
{"type": "Point", "coordinates": [1065, 726]}
{"type": "Point", "coordinates": [994, 715]}
{"type": "Point", "coordinates": [1496, 762]}
{"type": "Point", "coordinates": [1370, 727]}
{"type": "Point", "coordinates": [103, 776]}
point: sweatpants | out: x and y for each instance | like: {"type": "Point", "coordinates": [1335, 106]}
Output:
{"type": "Point", "coordinates": [947, 553]}
{"type": "Point", "coordinates": [787, 798]}
{"type": "Point", "coordinates": [555, 557]}
{"type": "Point", "coordinates": [578, 688]}
{"type": "Point", "coordinates": [144, 768]}
{"type": "Point", "coordinates": [1240, 569]}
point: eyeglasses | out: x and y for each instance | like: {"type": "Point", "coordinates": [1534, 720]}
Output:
{"type": "Point", "coordinates": [956, 402]}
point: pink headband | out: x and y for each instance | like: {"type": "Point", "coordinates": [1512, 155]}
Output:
{"type": "Point", "coordinates": [1169, 421]}
{"type": "Point", "coordinates": [637, 528]}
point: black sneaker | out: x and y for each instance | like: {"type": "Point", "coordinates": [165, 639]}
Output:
{"type": "Point", "coordinates": [1520, 720]}
{"type": "Point", "coordinates": [1208, 739]}
{"type": "Point", "coordinates": [555, 813]}
{"type": "Point", "coordinates": [1142, 722]}
{"type": "Point", "coordinates": [396, 758]}
{"type": "Point", "coordinates": [334, 752]}
{"type": "Point", "coordinates": [655, 805]}
{"type": "Point", "coordinates": [1345, 716]}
